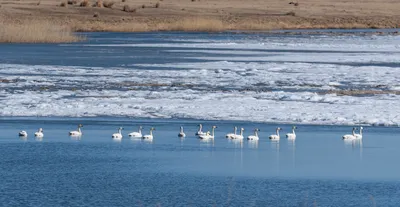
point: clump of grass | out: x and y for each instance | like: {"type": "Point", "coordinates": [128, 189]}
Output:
{"type": "Point", "coordinates": [96, 14]}
{"type": "Point", "coordinates": [36, 32]}
{"type": "Point", "coordinates": [98, 3]}
{"type": "Point", "coordinates": [193, 24]}
{"type": "Point", "coordinates": [127, 8]}
{"type": "Point", "coordinates": [123, 0]}
{"type": "Point", "coordinates": [38, 3]}
{"type": "Point", "coordinates": [84, 3]}
{"type": "Point", "coordinates": [63, 4]}
{"type": "Point", "coordinates": [108, 4]}
{"type": "Point", "coordinates": [157, 5]}
{"type": "Point", "coordinates": [72, 2]}
{"type": "Point", "coordinates": [143, 6]}
{"type": "Point", "coordinates": [291, 13]}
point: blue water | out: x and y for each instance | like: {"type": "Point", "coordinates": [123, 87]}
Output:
{"type": "Point", "coordinates": [168, 80]}
{"type": "Point", "coordinates": [317, 169]}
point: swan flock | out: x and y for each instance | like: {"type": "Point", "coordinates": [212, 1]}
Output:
{"type": "Point", "coordinates": [200, 134]}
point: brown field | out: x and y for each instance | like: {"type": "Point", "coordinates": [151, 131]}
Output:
{"type": "Point", "coordinates": [200, 15]}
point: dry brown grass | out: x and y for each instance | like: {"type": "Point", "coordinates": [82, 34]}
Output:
{"type": "Point", "coordinates": [127, 8]}
{"type": "Point", "coordinates": [157, 5]}
{"type": "Point", "coordinates": [63, 4]}
{"type": "Point", "coordinates": [108, 4]}
{"type": "Point", "coordinates": [193, 24]}
{"type": "Point", "coordinates": [291, 13]}
{"type": "Point", "coordinates": [84, 3]}
{"type": "Point", "coordinates": [72, 2]}
{"type": "Point", "coordinates": [198, 23]}
{"type": "Point", "coordinates": [35, 32]}
{"type": "Point", "coordinates": [98, 3]}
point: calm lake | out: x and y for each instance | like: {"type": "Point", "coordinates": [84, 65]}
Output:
{"type": "Point", "coordinates": [168, 80]}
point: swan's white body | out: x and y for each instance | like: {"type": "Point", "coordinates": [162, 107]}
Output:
{"type": "Point", "coordinates": [149, 136]}
{"type": "Point", "coordinates": [232, 135]}
{"type": "Point", "coordinates": [137, 134]}
{"type": "Point", "coordinates": [76, 133]}
{"type": "Point", "coordinates": [239, 136]}
{"type": "Point", "coordinates": [208, 135]}
{"type": "Point", "coordinates": [39, 133]}
{"type": "Point", "coordinates": [200, 131]}
{"type": "Point", "coordinates": [181, 133]}
{"type": "Point", "coordinates": [276, 136]}
{"type": "Point", "coordinates": [117, 135]}
{"type": "Point", "coordinates": [291, 135]}
{"type": "Point", "coordinates": [350, 136]}
{"type": "Point", "coordinates": [359, 136]}
{"type": "Point", "coordinates": [255, 136]}
{"type": "Point", "coordinates": [23, 134]}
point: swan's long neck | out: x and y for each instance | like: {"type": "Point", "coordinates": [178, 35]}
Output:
{"type": "Point", "coordinates": [181, 129]}
{"type": "Point", "coordinates": [212, 131]}
{"type": "Point", "coordinates": [361, 131]}
{"type": "Point", "coordinates": [151, 132]}
{"type": "Point", "coordinates": [277, 132]}
{"type": "Point", "coordinates": [79, 129]}
{"type": "Point", "coordinates": [235, 130]}
{"type": "Point", "coordinates": [140, 130]}
{"type": "Point", "coordinates": [241, 132]}
{"type": "Point", "coordinates": [200, 127]}
{"type": "Point", "coordinates": [293, 131]}
{"type": "Point", "coordinates": [354, 132]}
{"type": "Point", "coordinates": [119, 131]}
{"type": "Point", "coordinates": [256, 133]}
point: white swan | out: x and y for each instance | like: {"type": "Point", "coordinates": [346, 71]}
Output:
{"type": "Point", "coordinates": [255, 136]}
{"type": "Point", "coordinates": [117, 135]}
{"type": "Point", "coordinates": [39, 133]}
{"type": "Point", "coordinates": [231, 135]}
{"type": "Point", "coordinates": [149, 136]}
{"type": "Point", "coordinates": [359, 136]}
{"type": "Point", "coordinates": [208, 135]}
{"type": "Point", "coordinates": [23, 134]}
{"type": "Point", "coordinates": [291, 135]}
{"type": "Point", "coordinates": [239, 136]}
{"type": "Point", "coordinates": [181, 133]}
{"type": "Point", "coordinates": [276, 136]}
{"type": "Point", "coordinates": [350, 136]}
{"type": "Point", "coordinates": [76, 133]}
{"type": "Point", "coordinates": [137, 134]}
{"type": "Point", "coordinates": [200, 132]}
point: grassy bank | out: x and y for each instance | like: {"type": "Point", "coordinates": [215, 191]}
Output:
{"type": "Point", "coordinates": [36, 32]}
{"type": "Point", "coordinates": [214, 24]}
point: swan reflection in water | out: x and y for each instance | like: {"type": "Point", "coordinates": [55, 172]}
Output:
{"type": "Point", "coordinates": [253, 144]}
{"type": "Point", "coordinates": [24, 138]}
{"type": "Point", "coordinates": [207, 142]}
{"type": "Point", "coordinates": [75, 138]}
{"type": "Point", "coordinates": [355, 144]}
{"type": "Point", "coordinates": [238, 143]}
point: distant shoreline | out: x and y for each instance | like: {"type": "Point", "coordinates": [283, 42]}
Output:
{"type": "Point", "coordinates": [190, 16]}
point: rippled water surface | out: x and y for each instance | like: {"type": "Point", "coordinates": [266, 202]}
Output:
{"type": "Point", "coordinates": [318, 168]}
{"type": "Point", "coordinates": [311, 79]}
